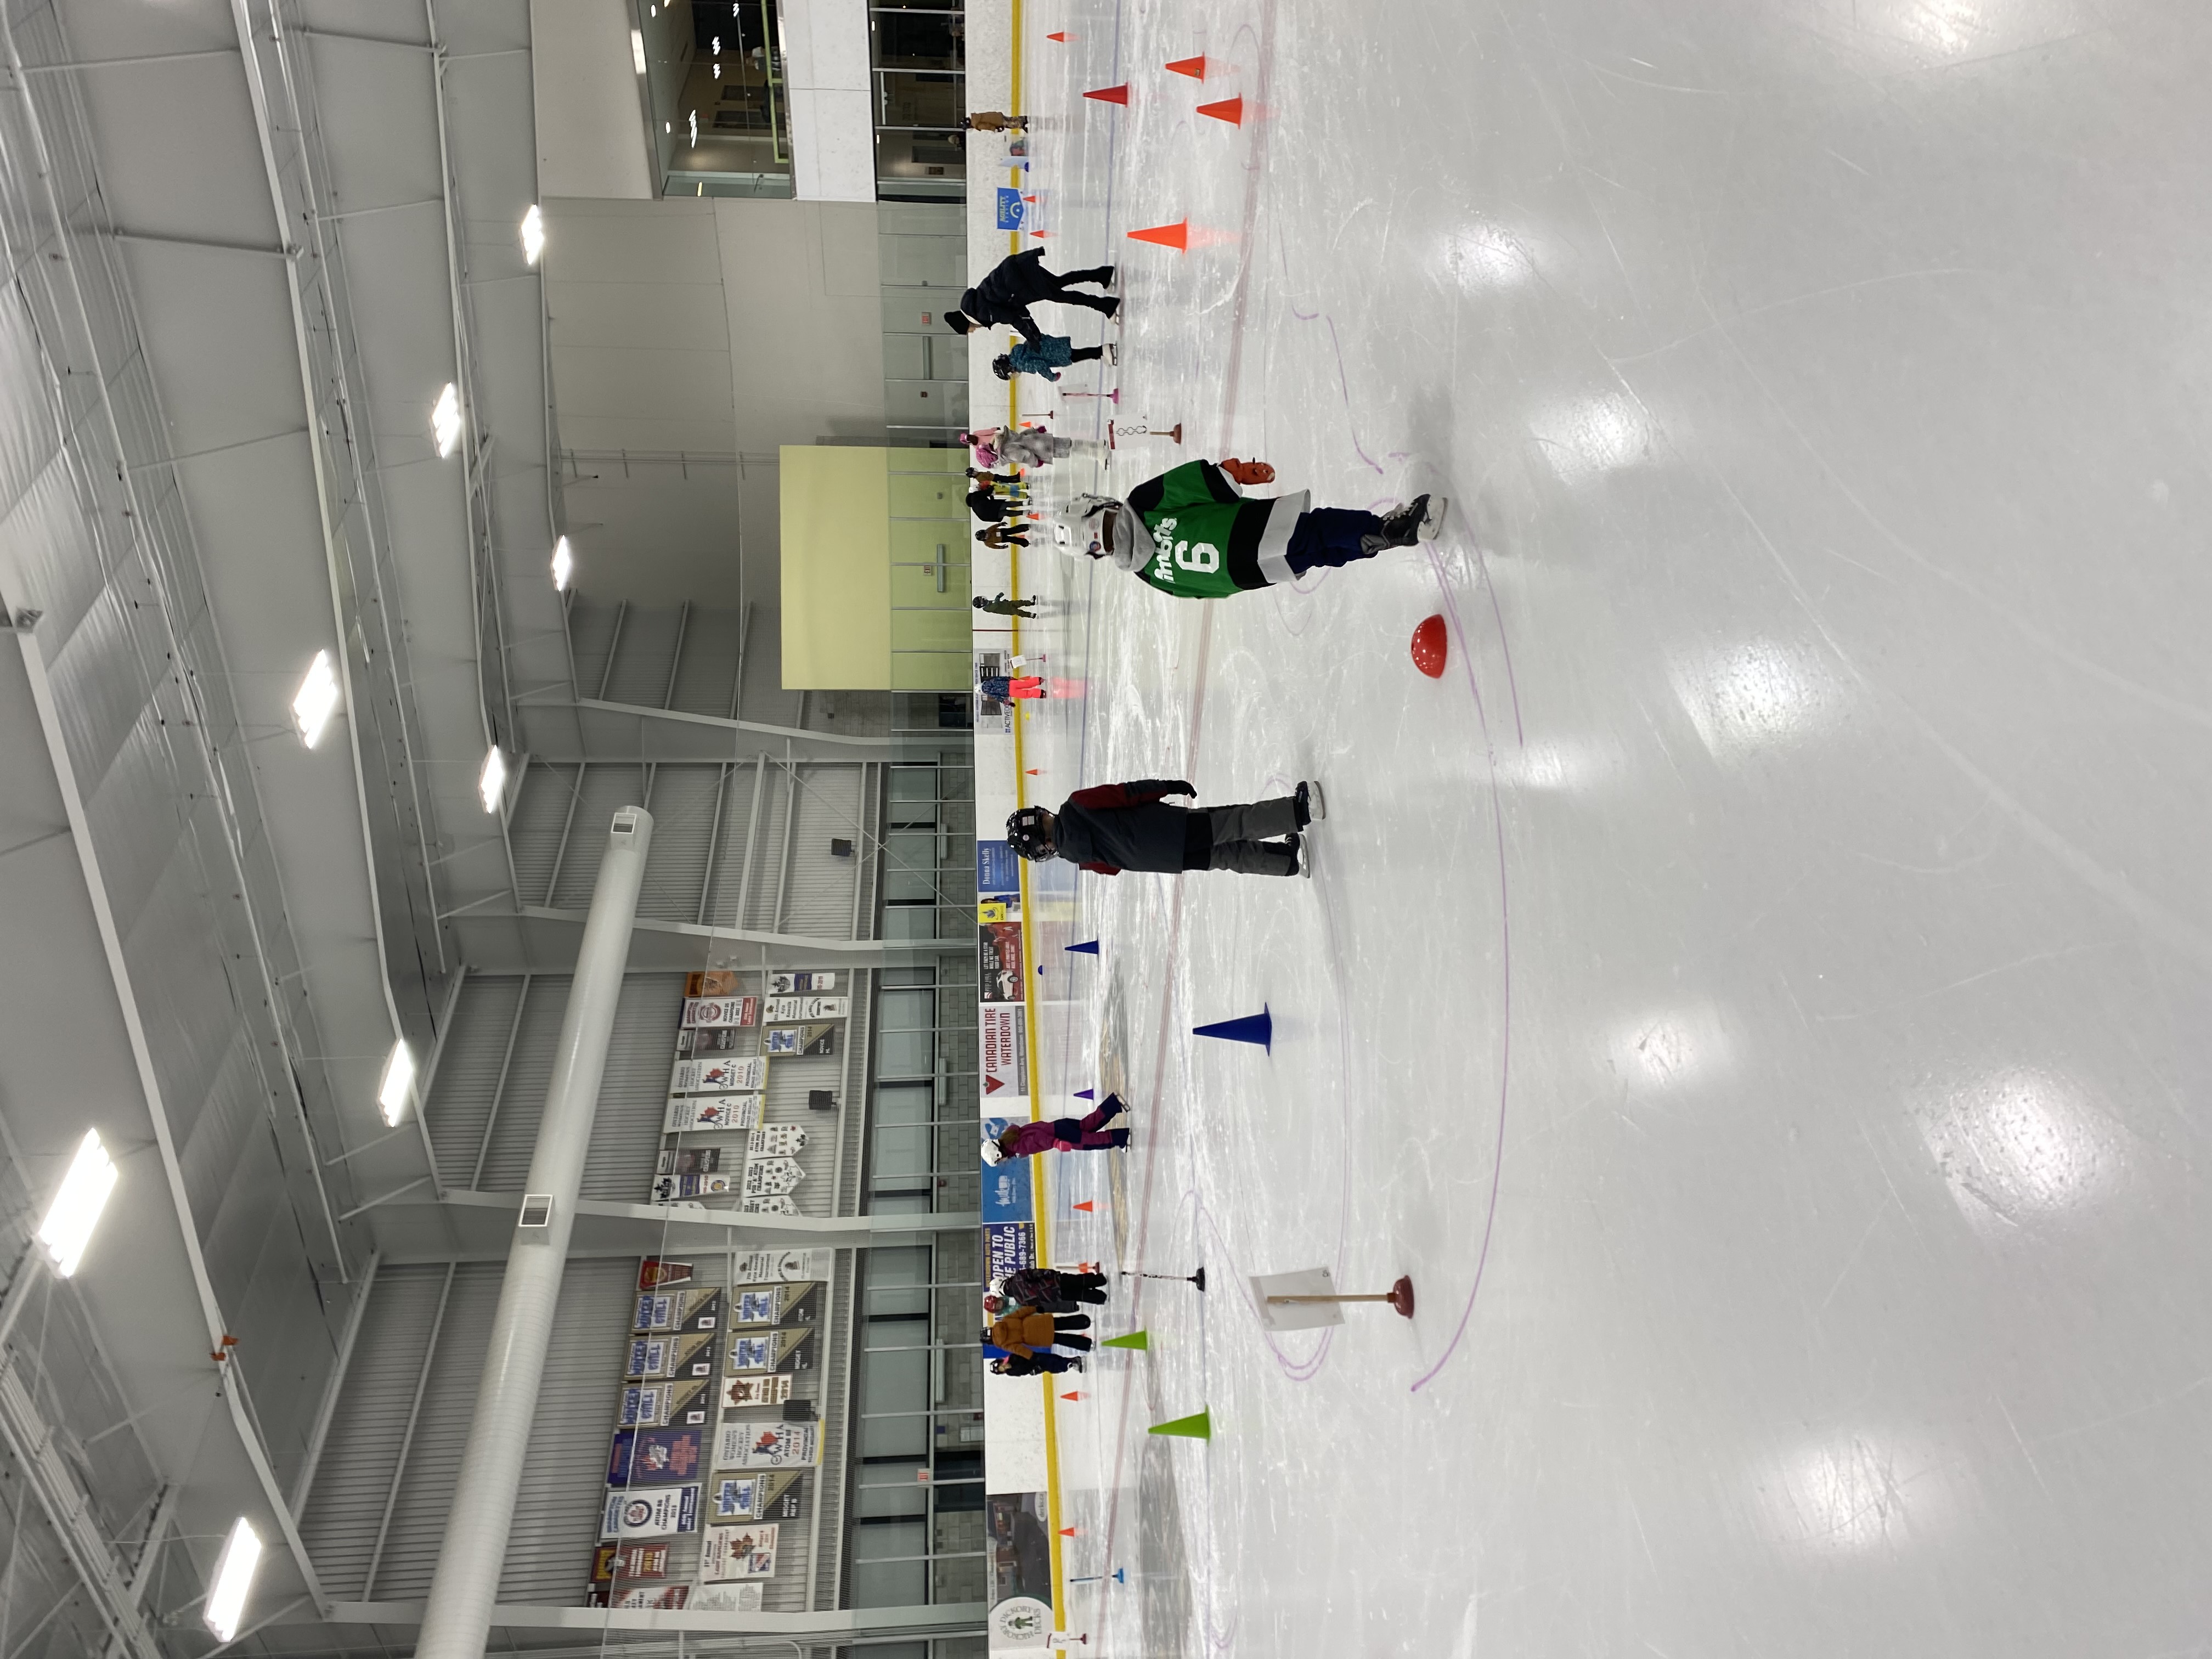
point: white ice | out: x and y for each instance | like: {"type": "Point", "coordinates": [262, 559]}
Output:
{"type": "Point", "coordinates": [1758, 991]}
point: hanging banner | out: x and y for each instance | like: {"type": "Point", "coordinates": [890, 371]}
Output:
{"type": "Point", "coordinates": [653, 1457]}
{"type": "Point", "coordinates": [728, 1598]}
{"type": "Point", "coordinates": [812, 1041]}
{"type": "Point", "coordinates": [1004, 1051]}
{"type": "Point", "coordinates": [774, 1304]}
{"type": "Point", "coordinates": [773, 1204]}
{"type": "Point", "coordinates": [772, 1175]}
{"type": "Point", "coordinates": [612, 1563]}
{"type": "Point", "coordinates": [784, 985]}
{"type": "Point", "coordinates": [761, 1266]}
{"type": "Point", "coordinates": [676, 1311]}
{"type": "Point", "coordinates": [717, 1077]}
{"type": "Point", "coordinates": [655, 1272]}
{"type": "Point", "coordinates": [1000, 948]}
{"type": "Point", "coordinates": [695, 1113]}
{"type": "Point", "coordinates": [789, 1348]}
{"type": "Point", "coordinates": [766, 1446]}
{"type": "Point", "coordinates": [750, 1391]}
{"type": "Point", "coordinates": [712, 1042]}
{"type": "Point", "coordinates": [777, 1141]}
{"type": "Point", "coordinates": [690, 1355]}
{"type": "Point", "coordinates": [779, 1496]}
{"type": "Point", "coordinates": [721, 1011]}
{"type": "Point", "coordinates": [667, 1189]}
{"type": "Point", "coordinates": [668, 1598]}
{"type": "Point", "coordinates": [664, 1513]}
{"type": "Point", "coordinates": [789, 1008]}
{"type": "Point", "coordinates": [727, 1552]}
{"type": "Point", "coordinates": [654, 1404]}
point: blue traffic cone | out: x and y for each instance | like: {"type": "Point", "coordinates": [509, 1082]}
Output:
{"type": "Point", "coordinates": [1253, 1028]}
{"type": "Point", "coordinates": [1085, 1094]}
{"type": "Point", "coordinates": [1088, 948]}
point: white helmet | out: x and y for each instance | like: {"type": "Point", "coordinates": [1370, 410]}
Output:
{"type": "Point", "coordinates": [993, 1153]}
{"type": "Point", "coordinates": [1081, 527]}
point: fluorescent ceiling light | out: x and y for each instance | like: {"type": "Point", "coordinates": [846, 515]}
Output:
{"type": "Point", "coordinates": [637, 48]}
{"type": "Point", "coordinates": [718, 46]}
{"type": "Point", "coordinates": [491, 782]}
{"type": "Point", "coordinates": [399, 1079]}
{"type": "Point", "coordinates": [563, 563]}
{"type": "Point", "coordinates": [446, 420]}
{"type": "Point", "coordinates": [317, 698]}
{"type": "Point", "coordinates": [695, 129]}
{"type": "Point", "coordinates": [76, 1209]}
{"type": "Point", "coordinates": [234, 1581]}
{"type": "Point", "coordinates": [533, 234]}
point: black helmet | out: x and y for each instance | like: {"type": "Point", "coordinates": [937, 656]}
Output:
{"type": "Point", "coordinates": [1027, 834]}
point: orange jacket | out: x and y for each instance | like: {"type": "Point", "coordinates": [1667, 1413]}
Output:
{"type": "Point", "coordinates": [1022, 1332]}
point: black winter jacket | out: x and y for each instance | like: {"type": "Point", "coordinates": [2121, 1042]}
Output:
{"type": "Point", "coordinates": [1124, 826]}
{"type": "Point", "coordinates": [1004, 297]}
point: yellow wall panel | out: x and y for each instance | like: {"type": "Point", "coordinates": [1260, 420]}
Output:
{"type": "Point", "coordinates": [835, 504]}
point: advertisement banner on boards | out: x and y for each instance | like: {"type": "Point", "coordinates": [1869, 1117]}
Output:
{"type": "Point", "coordinates": [664, 1512]}
{"type": "Point", "coordinates": [1021, 1567]}
{"type": "Point", "coordinates": [1008, 1195]}
{"type": "Point", "coordinates": [998, 869]}
{"type": "Point", "coordinates": [1010, 1245]}
{"type": "Point", "coordinates": [999, 945]}
{"type": "Point", "coordinates": [1004, 1051]}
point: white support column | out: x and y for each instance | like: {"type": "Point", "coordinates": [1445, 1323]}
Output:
{"type": "Point", "coordinates": [457, 1619]}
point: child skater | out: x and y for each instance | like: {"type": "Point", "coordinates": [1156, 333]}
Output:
{"type": "Point", "coordinates": [1051, 354]}
{"type": "Point", "coordinates": [1029, 446]}
{"type": "Point", "coordinates": [1127, 826]}
{"type": "Point", "coordinates": [1002, 606]}
{"type": "Point", "coordinates": [1038, 1365]}
{"type": "Point", "coordinates": [1059, 1134]}
{"type": "Point", "coordinates": [1005, 688]}
{"type": "Point", "coordinates": [1055, 1290]}
{"type": "Point", "coordinates": [1192, 531]}
{"type": "Point", "coordinates": [1024, 1331]}
{"type": "Point", "coordinates": [1005, 535]}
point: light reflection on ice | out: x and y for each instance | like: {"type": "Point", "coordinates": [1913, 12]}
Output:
{"type": "Point", "coordinates": [1593, 436]}
{"type": "Point", "coordinates": [1853, 1493]}
{"type": "Point", "coordinates": [1670, 1048]}
{"type": "Point", "coordinates": [1760, 694]}
{"type": "Point", "coordinates": [2021, 1144]}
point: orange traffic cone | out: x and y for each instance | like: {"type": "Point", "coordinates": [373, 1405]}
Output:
{"type": "Point", "coordinates": [1061, 37]}
{"type": "Point", "coordinates": [1231, 110]}
{"type": "Point", "coordinates": [1176, 235]}
{"type": "Point", "coordinates": [1111, 94]}
{"type": "Point", "coordinates": [1194, 67]}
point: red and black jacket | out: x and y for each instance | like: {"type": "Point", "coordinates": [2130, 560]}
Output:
{"type": "Point", "coordinates": [1115, 827]}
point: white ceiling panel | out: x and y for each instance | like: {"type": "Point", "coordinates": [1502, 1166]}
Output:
{"type": "Point", "coordinates": [179, 150]}
{"type": "Point", "coordinates": [218, 332]}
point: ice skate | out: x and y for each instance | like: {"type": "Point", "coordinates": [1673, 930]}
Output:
{"type": "Point", "coordinates": [1312, 809]}
{"type": "Point", "coordinates": [1113, 353]}
{"type": "Point", "coordinates": [1418, 521]}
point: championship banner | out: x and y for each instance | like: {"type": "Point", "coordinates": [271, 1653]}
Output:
{"type": "Point", "coordinates": [654, 1404]}
{"type": "Point", "coordinates": [728, 1598]}
{"type": "Point", "coordinates": [722, 1011]}
{"type": "Point", "coordinates": [789, 1348]}
{"type": "Point", "coordinates": [717, 1077]}
{"type": "Point", "coordinates": [666, 1513]}
{"type": "Point", "coordinates": [767, 1446]}
{"type": "Point", "coordinates": [653, 1457]}
{"type": "Point", "coordinates": [712, 1042]}
{"type": "Point", "coordinates": [1004, 1051]}
{"type": "Point", "coordinates": [676, 1311]}
{"type": "Point", "coordinates": [666, 1598]}
{"type": "Point", "coordinates": [760, 1267]}
{"type": "Point", "coordinates": [714, 982]}
{"type": "Point", "coordinates": [611, 1562]}
{"type": "Point", "coordinates": [774, 1304]}
{"type": "Point", "coordinates": [695, 1113]}
{"type": "Point", "coordinates": [727, 1552]}
{"type": "Point", "coordinates": [652, 1357]}
{"type": "Point", "coordinates": [799, 984]}
{"type": "Point", "coordinates": [747, 1392]}
{"type": "Point", "coordinates": [808, 1007]}
{"type": "Point", "coordinates": [810, 1041]}
{"type": "Point", "coordinates": [780, 1496]}
{"type": "Point", "coordinates": [655, 1274]}
{"type": "Point", "coordinates": [777, 1141]}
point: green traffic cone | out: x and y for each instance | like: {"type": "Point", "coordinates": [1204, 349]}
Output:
{"type": "Point", "coordinates": [1198, 1427]}
{"type": "Point", "coordinates": [1134, 1340]}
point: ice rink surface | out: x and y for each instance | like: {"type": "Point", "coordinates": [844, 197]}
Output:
{"type": "Point", "coordinates": [1759, 992]}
